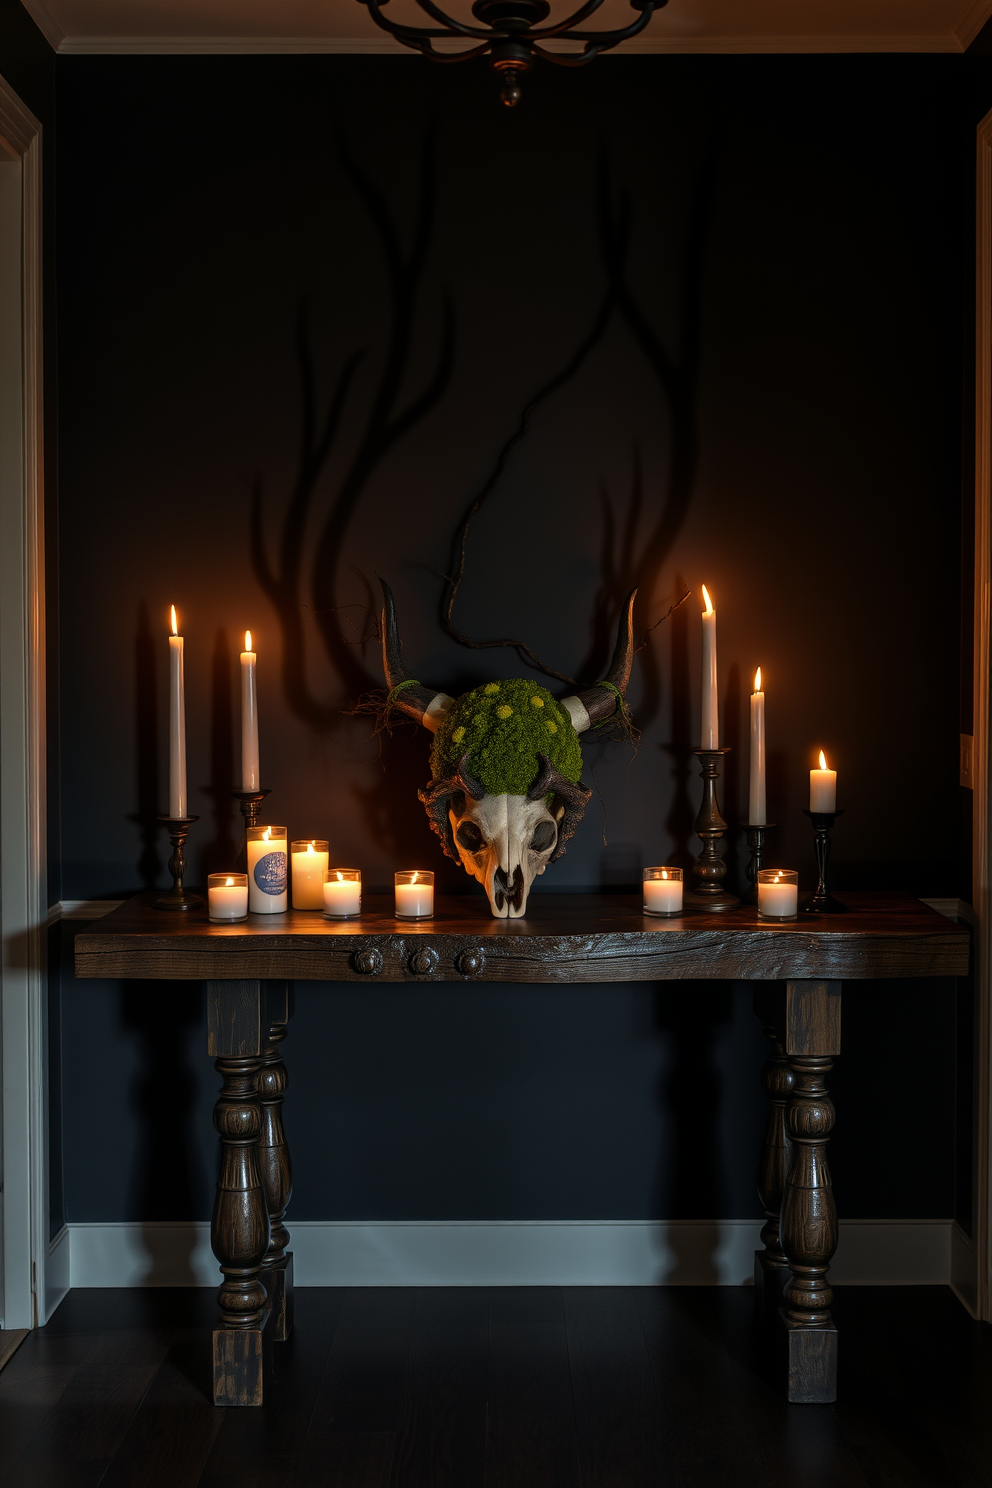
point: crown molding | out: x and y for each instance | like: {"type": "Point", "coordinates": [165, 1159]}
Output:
{"type": "Point", "coordinates": [973, 22]}
{"type": "Point", "coordinates": [109, 46]}
{"type": "Point", "coordinates": [50, 27]}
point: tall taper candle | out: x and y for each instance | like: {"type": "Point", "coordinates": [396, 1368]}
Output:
{"type": "Point", "coordinates": [757, 811]}
{"type": "Point", "coordinates": [710, 733]}
{"type": "Point", "coordinates": [177, 724]}
{"type": "Point", "coordinates": [249, 719]}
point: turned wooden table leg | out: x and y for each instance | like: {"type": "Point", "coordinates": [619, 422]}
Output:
{"type": "Point", "coordinates": [275, 1165]}
{"type": "Point", "coordinates": [809, 1216]}
{"type": "Point", "coordinates": [239, 1231]}
{"type": "Point", "coordinates": [771, 1270]}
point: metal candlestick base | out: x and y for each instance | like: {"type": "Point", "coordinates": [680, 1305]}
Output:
{"type": "Point", "coordinates": [822, 901]}
{"type": "Point", "coordinates": [250, 803]}
{"type": "Point", "coordinates": [756, 842]}
{"type": "Point", "coordinates": [709, 868]}
{"type": "Point", "coordinates": [178, 897]}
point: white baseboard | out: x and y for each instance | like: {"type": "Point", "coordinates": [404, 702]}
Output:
{"type": "Point", "coordinates": [56, 1272]}
{"type": "Point", "coordinates": [510, 1253]}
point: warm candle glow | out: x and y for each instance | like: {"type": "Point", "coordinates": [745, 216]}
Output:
{"type": "Point", "coordinates": [248, 645]}
{"type": "Point", "coordinates": [823, 760]}
{"type": "Point", "coordinates": [757, 680]}
{"type": "Point", "coordinates": [709, 603]}
{"type": "Point", "coordinates": [175, 623]}
{"type": "Point", "coordinates": [267, 833]}
{"type": "Point", "coordinates": [229, 884]}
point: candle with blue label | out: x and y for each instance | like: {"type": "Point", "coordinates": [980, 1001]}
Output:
{"type": "Point", "coordinates": [268, 870]}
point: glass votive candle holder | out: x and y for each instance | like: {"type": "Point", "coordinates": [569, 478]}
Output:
{"type": "Point", "coordinates": [414, 895]}
{"type": "Point", "coordinates": [663, 891]}
{"type": "Point", "coordinates": [309, 866]}
{"type": "Point", "coordinates": [227, 896]}
{"type": "Point", "coordinates": [268, 870]}
{"type": "Point", "coordinates": [778, 894]}
{"type": "Point", "coordinates": [342, 890]}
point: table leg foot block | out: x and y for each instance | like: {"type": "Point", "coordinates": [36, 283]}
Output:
{"type": "Point", "coordinates": [769, 1283]}
{"type": "Point", "coordinates": [238, 1366]}
{"type": "Point", "coordinates": [278, 1283]}
{"type": "Point", "coordinates": [808, 1359]}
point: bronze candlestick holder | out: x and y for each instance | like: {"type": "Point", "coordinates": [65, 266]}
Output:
{"type": "Point", "coordinates": [178, 897]}
{"type": "Point", "coordinates": [250, 803]}
{"type": "Point", "coordinates": [709, 868]}
{"type": "Point", "coordinates": [756, 842]}
{"type": "Point", "coordinates": [822, 901]}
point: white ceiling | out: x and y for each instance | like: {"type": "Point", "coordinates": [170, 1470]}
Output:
{"type": "Point", "coordinates": [345, 26]}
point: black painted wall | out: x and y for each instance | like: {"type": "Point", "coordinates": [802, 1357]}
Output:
{"type": "Point", "coordinates": [757, 268]}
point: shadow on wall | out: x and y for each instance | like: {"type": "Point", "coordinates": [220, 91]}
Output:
{"type": "Point", "coordinates": [167, 1181]}
{"type": "Point", "coordinates": [689, 1176]}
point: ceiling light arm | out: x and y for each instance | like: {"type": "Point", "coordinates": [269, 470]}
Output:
{"type": "Point", "coordinates": [568, 59]}
{"type": "Point", "coordinates": [612, 38]}
{"type": "Point", "coordinates": [541, 34]}
{"type": "Point", "coordinates": [410, 35]}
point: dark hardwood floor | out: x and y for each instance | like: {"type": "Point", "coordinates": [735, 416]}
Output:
{"type": "Point", "coordinates": [505, 1388]}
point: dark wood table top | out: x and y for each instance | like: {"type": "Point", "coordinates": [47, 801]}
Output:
{"type": "Point", "coordinates": [564, 938]}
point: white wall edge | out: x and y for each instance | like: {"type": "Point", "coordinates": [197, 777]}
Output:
{"type": "Point", "coordinates": [80, 46]}
{"type": "Point", "coordinates": [510, 1253]}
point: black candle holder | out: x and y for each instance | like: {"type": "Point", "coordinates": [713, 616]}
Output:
{"type": "Point", "coordinates": [756, 842]}
{"type": "Point", "coordinates": [178, 897]}
{"type": "Point", "coordinates": [709, 868]}
{"type": "Point", "coordinates": [250, 803]}
{"type": "Point", "coordinates": [822, 901]}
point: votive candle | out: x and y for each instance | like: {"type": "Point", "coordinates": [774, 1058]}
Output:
{"type": "Point", "coordinates": [309, 866]}
{"type": "Point", "coordinates": [227, 896]}
{"type": "Point", "coordinates": [342, 889]}
{"type": "Point", "coordinates": [268, 870]}
{"type": "Point", "coordinates": [414, 895]}
{"type": "Point", "coordinates": [663, 891]}
{"type": "Point", "coordinates": [778, 893]}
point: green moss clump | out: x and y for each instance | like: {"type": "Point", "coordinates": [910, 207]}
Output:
{"type": "Point", "coordinates": [503, 727]}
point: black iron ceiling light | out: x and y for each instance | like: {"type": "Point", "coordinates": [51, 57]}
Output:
{"type": "Point", "coordinates": [511, 34]}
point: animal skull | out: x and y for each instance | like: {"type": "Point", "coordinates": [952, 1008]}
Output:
{"type": "Point", "coordinates": [505, 840]}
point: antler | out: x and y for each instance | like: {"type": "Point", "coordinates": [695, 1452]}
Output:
{"type": "Point", "coordinates": [575, 798]}
{"type": "Point", "coordinates": [414, 699]}
{"type": "Point", "coordinates": [594, 704]}
{"type": "Point", "coordinates": [436, 796]}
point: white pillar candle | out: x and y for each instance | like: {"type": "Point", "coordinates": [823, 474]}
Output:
{"type": "Point", "coordinates": [778, 893]}
{"type": "Point", "coordinates": [249, 719]}
{"type": "Point", "coordinates": [177, 724]}
{"type": "Point", "coordinates": [414, 895]}
{"type": "Point", "coordinates": [709, 737]}
{"type": "Point", "coordinates": [757, 811]}
{"type": "Point", "coordinates": [823, 787]}
{"type": "Point", "coordinates": [663, 891]}
{"type": "Point", "coordinates": [309, 867]}
{"type": "Point", "coordinates": [227, 896]}
{"type": "Point", "coordinates": [342, 893]}
{"type": "Point", "coordinates": [268, 870]}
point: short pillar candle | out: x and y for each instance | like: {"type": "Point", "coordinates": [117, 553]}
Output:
{"type": "Point", "coordinates": [227, 896]}
{"type": "Point", "coordinates": [268, 870]}
{"type": "Point", "coordinates": [342, 890]}
{"type": "Point", "coordinates": [309, 866]}
{"type": "Point", "coordinates": [414, 895]}
{"type": "Point", "coordinates": [663, 891]}
{"type": "Point", "coordinates": [778, 893]}
{"type": "Point", "coordinates": [823, 787]}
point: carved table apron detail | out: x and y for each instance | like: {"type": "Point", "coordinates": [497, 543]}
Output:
{"type": "Point", "coordinates": [798, 970]}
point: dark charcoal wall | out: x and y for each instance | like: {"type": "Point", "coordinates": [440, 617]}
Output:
{"type": "Point", "coordinates": [771, 401]}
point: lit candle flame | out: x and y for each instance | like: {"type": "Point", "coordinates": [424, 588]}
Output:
{"type": "Point", "coordinates": [309, 847]}
{"type": "Point", "coordinates": [823, 760]}
{"type": "Point", "coordinates": [229, 884]}
{"type": "Point", "coordinates": [414, 879]}
{"type": "Point", "coordinates": [267, 834]}
{"type": "Point", "coordinates": [339, 878]}
{"type": "Point", "coordinates": [175, 623]}
{"type": "Point", "coordinates": [709, 603]}
{"type": "Point", "coordinates": [757, 680]}
{"type": "Point", "coordinates": [248, 646]}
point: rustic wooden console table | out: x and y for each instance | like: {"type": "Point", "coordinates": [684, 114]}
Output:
{"type": "Point", "coordinates": [799, 969]}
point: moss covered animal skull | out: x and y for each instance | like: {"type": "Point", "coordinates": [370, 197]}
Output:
{"type": "Point", "coordinates": [506, 764]}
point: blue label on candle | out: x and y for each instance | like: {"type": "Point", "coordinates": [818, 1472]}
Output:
{"type": "Point", "coordinates": [271, 873]}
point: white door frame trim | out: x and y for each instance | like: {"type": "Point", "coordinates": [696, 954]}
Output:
{"type": "Point", "coordinates": [23, 859]}
{"type": "Point", "coordinates": [981, 876]}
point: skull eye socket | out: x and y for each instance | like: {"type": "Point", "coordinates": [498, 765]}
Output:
{"type": "Point", "coordinates": [544, 835]}
{"type": "Point", "coordinates": [469, 837]}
